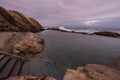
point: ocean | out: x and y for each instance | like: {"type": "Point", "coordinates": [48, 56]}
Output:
{"type": "Point", "coordinates": [70, 50]}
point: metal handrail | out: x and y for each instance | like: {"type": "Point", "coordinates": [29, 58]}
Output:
{"type": "Point", "coordinates": [47, 62]}
{"type": "Point", "coordinates": [12, 55]}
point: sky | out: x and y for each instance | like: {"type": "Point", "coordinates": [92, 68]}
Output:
{"type": "Point", "coordinates": [68, 12]}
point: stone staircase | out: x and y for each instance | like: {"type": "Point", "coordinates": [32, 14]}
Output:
{"type": "Point", "coordinates": [11, 65]}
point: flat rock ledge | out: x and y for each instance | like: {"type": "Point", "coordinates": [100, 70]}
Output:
{"type": "Point", "coordinates": [92, 72]}
{"type": "Point", "coordinates": [25, 44]}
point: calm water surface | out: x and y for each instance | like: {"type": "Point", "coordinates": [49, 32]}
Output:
{"type": "Point", "coordinates": [69, 50]}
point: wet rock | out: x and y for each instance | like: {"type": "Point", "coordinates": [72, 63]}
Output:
{"type": "Point", "coordinates": [116, 63]}
{"type": "Point", "coordinates": [11, 20]}
{"type": "Point", "coordinates": [107, 33]}
{"type": "Point", "coordinates": [25, 44]}
{"type": "Point", "coordinates": [29, 77]}
{"type": "Point", "coordinates": [92, 72]}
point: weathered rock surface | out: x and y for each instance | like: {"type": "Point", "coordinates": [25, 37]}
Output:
{"type": "Point", "coordinates": [11, 20]}
{"type": "Point", "coordinates": [26, 77]}
{"type": "Point", "coordinates": [24, 44]}
{"type": "Point", "coordinates": [106, 33]}
{"type": "Point", "coordinates": [92, 72]}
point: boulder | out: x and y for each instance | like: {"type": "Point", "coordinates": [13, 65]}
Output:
{"type": "Point", "coordinates": [11, 20]}
{"type": "Point", "coordinates": [25, 44]}
{"type": "Point", "coordinates": [29, 77]}
{"type": "Point", "coordinates": [92, 72]}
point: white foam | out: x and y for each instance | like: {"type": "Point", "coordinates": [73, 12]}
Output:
{"type": "Point", "coordinates": [65, 29]}
{"type": "Point", "coordinates": [88, 31]}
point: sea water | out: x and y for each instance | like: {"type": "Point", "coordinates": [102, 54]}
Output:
{"type": "Point", "coordinates": [70, 50]}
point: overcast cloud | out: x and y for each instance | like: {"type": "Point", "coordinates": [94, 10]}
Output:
{"type": "Point", "coordinates": [66, 12]}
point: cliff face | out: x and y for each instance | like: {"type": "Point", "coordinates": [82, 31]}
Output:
{"type": "Point", "coordinates": [14, 21]}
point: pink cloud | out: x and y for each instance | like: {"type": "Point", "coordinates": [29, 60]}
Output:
{"type": "Point", "coordinates": [58, 11]}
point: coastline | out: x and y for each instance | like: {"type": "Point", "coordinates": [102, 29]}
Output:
{"type": "Point", "coordinates": [79, 50]}
{"type": "Point", "coordinates": [99, 33]}
{"type": "Point", "coordinates": [24, 41]}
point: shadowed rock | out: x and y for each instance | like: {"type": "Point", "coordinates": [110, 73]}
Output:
{"type": "Point", "coordinates": [15, 21]}
{"type": "Point", "coordinates": [92, 72]}
{"type": "Point", "coordinates": [106, 33]}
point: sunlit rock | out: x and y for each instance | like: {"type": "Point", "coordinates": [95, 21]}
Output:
{"type": "Point", "coordinates": [92, 72]}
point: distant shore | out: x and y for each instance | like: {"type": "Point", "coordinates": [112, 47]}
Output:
{"type": "Point", "coordinates": [100, 33]}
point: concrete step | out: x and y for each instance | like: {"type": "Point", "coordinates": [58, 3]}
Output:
{"type": "Point", "coordinates": [5, 72]}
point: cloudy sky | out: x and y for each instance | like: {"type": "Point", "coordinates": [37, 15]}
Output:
{"type": "Point", "coordinates": [68, 12]}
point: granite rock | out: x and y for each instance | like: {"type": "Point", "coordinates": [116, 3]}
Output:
{"type": "Point", "coordinates": [25, 44]}
{"type": "Point", "coordinates": [92, 72]}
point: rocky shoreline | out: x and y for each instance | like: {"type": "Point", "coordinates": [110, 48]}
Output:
{"type": "Point", "coordinates": [16, 38]}
{"type": "Point", "coordinates": [16, 34]}
{"type": "Point", "coordinates": [101, 33]}
{"type": "Point", "coordinates": [92, 72]}
{"type": "Point", "coordinates": [11, 20]}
